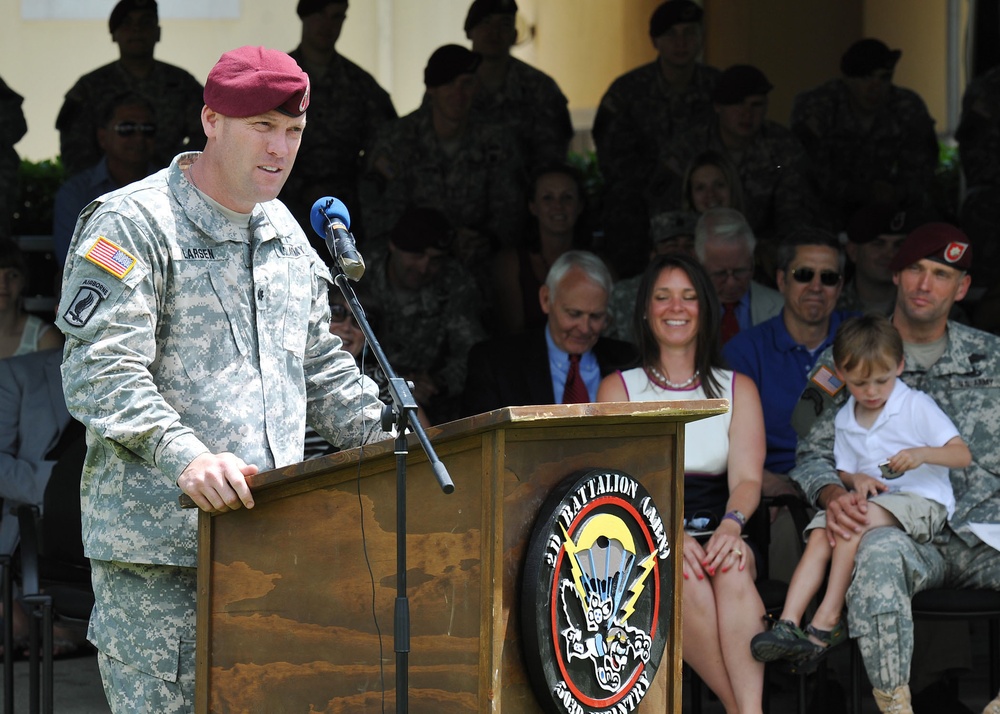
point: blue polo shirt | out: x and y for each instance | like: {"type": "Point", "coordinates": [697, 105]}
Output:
{"type": "Point", "coordinates": [780, 368]}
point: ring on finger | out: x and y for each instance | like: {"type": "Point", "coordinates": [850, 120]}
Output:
{"type": "Point", "coordinates": [737, 552]}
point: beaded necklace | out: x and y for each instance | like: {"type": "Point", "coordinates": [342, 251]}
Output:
{"type": "Point", "coordinates": [657, 378]}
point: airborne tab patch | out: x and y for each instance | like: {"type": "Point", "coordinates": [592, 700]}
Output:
{"type": "Point", "coordinates": [110, 257]}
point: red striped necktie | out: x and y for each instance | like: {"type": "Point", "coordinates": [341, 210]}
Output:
{"type": "Point", "coordinates": [575, 391]}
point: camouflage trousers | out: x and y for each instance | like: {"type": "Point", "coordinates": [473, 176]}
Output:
{"type": "Point", "coordinates": [143, 625]}
{"type": "Point", "coordinates": [889, 569]}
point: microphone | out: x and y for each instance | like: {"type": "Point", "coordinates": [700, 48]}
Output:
{"type": "Point", "coordinates": [330, 219]}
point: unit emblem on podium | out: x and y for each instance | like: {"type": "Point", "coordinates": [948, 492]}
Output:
{"type": "Point", "coordinates": [596, 573]}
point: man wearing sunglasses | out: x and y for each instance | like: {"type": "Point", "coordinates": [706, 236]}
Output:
{"type": "Point", "coordinates": [959, 368]}
{"type": "Point", "coordinates": [126, 136]}
{"type": "Point", "coordinates": [174, 93]}
{"type": "Point", "coordinates": [779, 354]}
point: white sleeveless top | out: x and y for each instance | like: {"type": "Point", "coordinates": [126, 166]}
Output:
{"type": "Point", "coordinates": [34, 328]}
{"type": "Point", "coordinates": [706, 441]}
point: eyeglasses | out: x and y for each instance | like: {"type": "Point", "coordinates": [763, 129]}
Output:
{"type": "Point", "coordinates": [340, 313]}
{"type": "Point", "coordinates": [128, 128]}
{"type": "Point", "coordinates": [735, 274]}
{"type": "Point", "coordinates": [829, 278]}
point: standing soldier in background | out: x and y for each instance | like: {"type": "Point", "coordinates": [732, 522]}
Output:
{"type": "Point", "coordinates": [525, 100]}
{"type": "Point", "coordinates": [174, 93]}
{"type": "Point", "coordinates": [638, 117]}
{"type": "Point", "coordinates": [12, 128]}
{"type": "Point", "coordinates": [346, 109]}
{"type": "Point", "coordinates": [197, 347]}
{"type": "Point", "coordinates": [869, 141]}
{"type": "Point", "coordinates": [978, 138]}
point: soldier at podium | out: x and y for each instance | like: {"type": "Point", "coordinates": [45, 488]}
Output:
{"type": "Point", "coordinates": [196, 318]}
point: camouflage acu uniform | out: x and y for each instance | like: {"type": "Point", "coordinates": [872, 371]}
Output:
{"type": "Point", "coordinates": [897, 146]}
{"type": "Point", "coordinates": [534, 110]}
{"type": "Point", "coordinates": [890, 566]}
{"type": "Point", "coordinates": [346, 107]}
{"type": "Point", "coordinates": [187, 334]}
{"type": "Point", "coordinates": [978, 138]}
{"type": "Point", "coordinates": [429, 331]}
{"type": "Point", "coordinates": [12, 128]}
{"type": "Point", "coordinates": [773, 169]}
{"type": "Point", "coordinates": [479, 186]}
{"type": "Point", "coordinates": [636, 121]}
{"type": "Point", "coordinates": [621, 307]}
{"type": "Point", "coordinates": [176, 98]}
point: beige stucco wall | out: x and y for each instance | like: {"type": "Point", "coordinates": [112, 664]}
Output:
{"type": "Point", "coordinates": [584, 44]}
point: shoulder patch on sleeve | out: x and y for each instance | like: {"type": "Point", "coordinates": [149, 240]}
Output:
{"type": "Point", "coordinates": [112, 258]}
{"type": "Point", "coordinates": [87, 298]}
{"type": "Point", "coordinates": [825, 379]}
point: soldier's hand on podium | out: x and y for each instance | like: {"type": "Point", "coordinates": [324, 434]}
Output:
{"type": "Point", "coordinates": [217, 482]}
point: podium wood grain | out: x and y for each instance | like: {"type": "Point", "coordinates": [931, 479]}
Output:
{"type": "Point", "coordinates": [287, 606]}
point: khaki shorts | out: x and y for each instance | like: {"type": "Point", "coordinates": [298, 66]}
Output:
{"type": "Point", "coordinates": [920, 518]}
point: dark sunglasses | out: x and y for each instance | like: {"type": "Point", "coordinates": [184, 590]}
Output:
{"type": "Point", "coordinates": [339, 313]}
{"type": "Point", "coordinates": [128, 128]}
{"type": "Point", "coordinates": [829, 278]}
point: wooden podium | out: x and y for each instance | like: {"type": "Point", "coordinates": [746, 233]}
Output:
{"type": "Point", "coordinates": [287, 606]}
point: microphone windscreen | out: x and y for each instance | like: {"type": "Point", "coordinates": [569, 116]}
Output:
{"type": "Point", "coordinates": [326, 209]}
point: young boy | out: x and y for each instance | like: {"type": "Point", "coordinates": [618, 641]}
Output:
{"type": "Point", "coordinates": [894, 446]}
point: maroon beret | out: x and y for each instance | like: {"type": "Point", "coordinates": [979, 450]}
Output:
{"type": "Point", "coordinates": [673, 12]}
{"type": "Point", "coordinates": [309, 7]}
{"type": "Point", "coordinates": [249, 81]}
{"type": "Point", "coordinates": [866, 56]}
{"type": "Point", "coordinates": [421, 228]}
{"type": "Point", "coordinates": [449, 62]}
{"type": "Point", "coordinates": [481, 9]}
{"type": "Point", "coordinates": [739, 82]}
{"type": "Point", "coordinates": [941, 242]}
{"type": "Point", "coordinates": [123, 8]}
{"type": "Point", "coordinates": [879, 219]}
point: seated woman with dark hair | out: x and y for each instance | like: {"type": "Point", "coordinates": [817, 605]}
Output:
{"type": "Point", "coordinates": [557, 201]}
{"type": "Point", "coordinates": [676, 324]}
{"type": "Point", "coordinates": [20, 332]}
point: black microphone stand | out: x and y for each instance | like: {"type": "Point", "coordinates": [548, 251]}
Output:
{"type": "Point", "coordinates": [402, 414]}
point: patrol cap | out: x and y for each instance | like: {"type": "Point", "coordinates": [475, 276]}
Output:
{"type": "Point", "coordinates": [309, 7]}
{"type": "Point", "coordinates": [739, 82]}
{"type": "Point", "coordinates": [449, 62]}
{"type": "Point", "coordinates": [673, 12]}
{"type": "Point", "coordinates": [421, 228]}
{"type": "Point", "coordinates": [672, 224]}
{"type": "Point", "coordinates": [249, 81]}
{"type": "Point", "coordinates": [941, 242]}
{"type": "Point", "coordinates": [878, 219]}
{"type": "Point", "coordinates": [481, 9]}
{"type": "Point", "coordinates": [123, 8]}
{"type": "Point", "coordinates": [866, 56]}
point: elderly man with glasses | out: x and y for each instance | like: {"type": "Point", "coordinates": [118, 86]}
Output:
{"type": "Point", "coordinates": [724, 244]}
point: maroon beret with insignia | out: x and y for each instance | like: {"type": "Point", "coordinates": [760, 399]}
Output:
{"type": "Point", "coordinates": [249, 81]}
{"type": "Point", "coordinates": [941, 242]}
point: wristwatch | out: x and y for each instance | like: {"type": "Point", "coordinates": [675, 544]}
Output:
{"type": "Point", "coordinates": [738, 517]}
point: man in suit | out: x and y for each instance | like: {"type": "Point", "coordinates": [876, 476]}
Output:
{"type": "Point", "coordinates": [560, 363]}
{"type": "Point", "coordinates": [35, 430]}
{"type": "Point", "coordinates": [724, 243]}
{"type": "Point", "coordinates": [33, 417]}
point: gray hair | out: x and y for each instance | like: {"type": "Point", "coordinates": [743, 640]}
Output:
{"type": "Point", "coordinates": [725, 225]}
{"type": "Point", "coordinates": [592, 266]}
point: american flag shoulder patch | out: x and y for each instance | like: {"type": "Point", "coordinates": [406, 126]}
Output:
{"type": "Point", "coordinates": [112, 258]}
{"type": "Point", "coordinates": [826, 380]}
